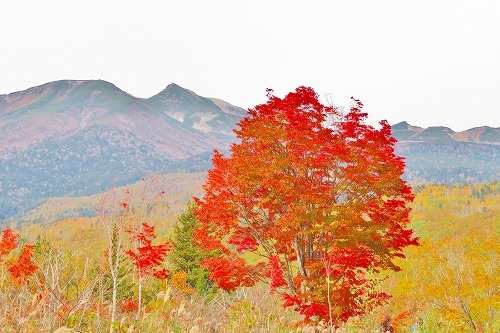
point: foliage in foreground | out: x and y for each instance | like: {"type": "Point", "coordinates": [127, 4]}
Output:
{"type": "Point", "coordinates": [76, 290]}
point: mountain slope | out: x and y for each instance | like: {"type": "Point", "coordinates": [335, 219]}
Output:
{"type": "Point", "coordinates": [72, 138]}
{"type": "Point", "coordinates": [66, 108]}
{"type": "Point", "coordinates": [450, 162]}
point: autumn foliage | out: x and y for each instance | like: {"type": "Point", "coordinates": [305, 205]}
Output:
{"type": "Point", "coordinates": [8, 242]}
{"type": "Point", "coordinates": [147, 257]}
{"type": "Point", "coordinates": [23, 267]}
{"type": "Point", "coordinates": [317, 197]}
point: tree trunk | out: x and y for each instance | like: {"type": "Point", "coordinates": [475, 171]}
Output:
{"type": "Point", "coordinates": [139, 306]}
{"type": "Point", "coordinates": [113, 303]}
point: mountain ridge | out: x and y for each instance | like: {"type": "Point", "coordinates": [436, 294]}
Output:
{"type": "Point", "coordinates": [404, 132]}
{"type": "Point", "coordinates": [79, 104]}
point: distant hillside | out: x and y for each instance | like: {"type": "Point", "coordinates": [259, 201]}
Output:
{"type": "Point", "coordinates": [179, 188]}
{"type": "Point", "coordinates": [450, 162]}
{"type": "Point", "coordinates": [440, 155]}
{"type": "Point", "coordinates": [406, 132]}
{"type": "Point", "coordinates": [73, 138]}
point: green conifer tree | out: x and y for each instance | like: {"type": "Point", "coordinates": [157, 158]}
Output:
{"type": "Point", "coordinates": [186, 256]}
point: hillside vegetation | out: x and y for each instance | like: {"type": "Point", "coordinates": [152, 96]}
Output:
{"type": "Point", "coordinates": [448, 284]}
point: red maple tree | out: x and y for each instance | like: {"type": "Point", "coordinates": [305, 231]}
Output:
{"type": "Point", "coordinates": [24, 266]}
{"type": "Point", "coordinates": [146, 256]}
{"type": "Point", "coordinates": [317, 196]}
{"type": "Point", "coordinates": [8, 242]}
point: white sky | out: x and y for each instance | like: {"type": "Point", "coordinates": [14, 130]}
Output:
{"type": "Point", "coordinates": [429, 62]}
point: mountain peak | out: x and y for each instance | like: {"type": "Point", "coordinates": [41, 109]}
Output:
{"type": "Point", "coordinates": [200, 113]}
{"type": "Point", "coordinates": [174, 91]}
{"type": "Point", "coordinates": [100, 83]}
{"type": "Point", "coordinates": [401, 126]}
{"type": "Point", "coordinates": [172, 86]}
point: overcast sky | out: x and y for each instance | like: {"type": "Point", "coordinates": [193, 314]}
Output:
{"type": "Point", "coordinates": [428, 62]}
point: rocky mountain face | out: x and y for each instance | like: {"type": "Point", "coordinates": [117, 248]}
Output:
{"type": "Point", "coordinates": [71, 138]}
{"type": "Point", "coordinates": [76, 138]}
{"type": "Point", "coordinates": [208, 115]}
